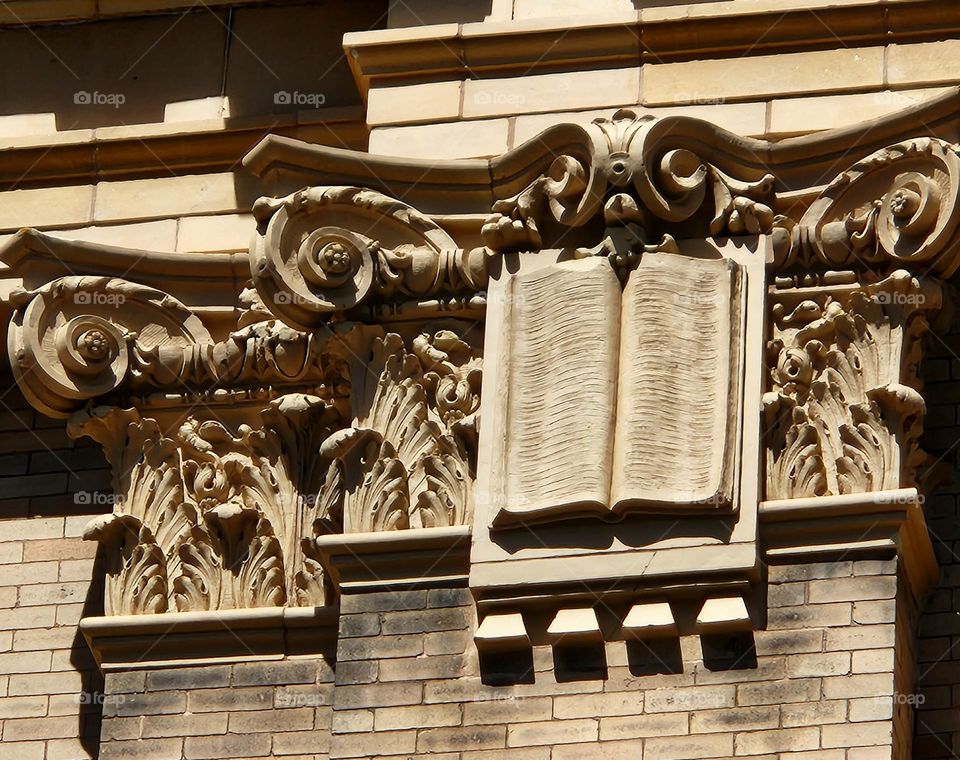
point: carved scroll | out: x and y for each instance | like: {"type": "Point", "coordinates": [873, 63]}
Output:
{"type": "Point", "coordinates": [896, 206]}
{"type": "Point", "coordinates": [844, 413]}
{"type": "Point", "coordinates": [327, 249]}
{"type": "Point", "coordinates": [651, 166]}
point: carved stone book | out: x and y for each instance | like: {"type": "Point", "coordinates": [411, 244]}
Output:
{"type": "Point", "coordinates": [623, 397]}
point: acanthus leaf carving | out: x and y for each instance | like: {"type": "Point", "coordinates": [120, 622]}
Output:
{"type": "Point", "coordinates": [410, 456]}
{"type": "Point", "coordinates": [844, 414]}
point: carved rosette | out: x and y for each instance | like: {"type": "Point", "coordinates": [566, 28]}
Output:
{"type": "Point", "coordinates": [329, 249]}
{"type": "Point", "coordinates": [844, 412]}
{"type": "Point", "coordinates": [410, 457]}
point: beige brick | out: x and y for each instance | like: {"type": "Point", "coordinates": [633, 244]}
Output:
{"type": "Point", "coordinates": [410, 104]}
{"type": "Point", "coordinates": [689, 747]}
{"type": "Point", "coordinates": [212, 234]}
{"type": "Point", "coordinates": [45, 683]}
{"type": "Point", "coordinates": [516, 710]}
{"type": "Point", "coordinates": [151, 749]}
{"type": "Point", "coordinates": [857, 734]}
{"type": "Point", "coordinates": [734, 719]}
{"type": "Point", "coordinates": [873, 661]}
{"type": "Point", "coordinates": [810, 616]}
{"type": "Point", "coordinates": [852, 589]}
{"type": "Point", "coordinates": [871, 708]}
{"type": "Point", "coordinates": [788, 642]}
{"type": "Point", "coordinates": [823, 664]}
{"type": "Point", "coordinates": [53, 593]}
{"type": "Point", "coordinates": [302, 742]}
{"type": "Point", "coordinates": [762, 75]}
{"type": "Point", "coordinates": [23, 707]}
{"type": "Point", "coordinates": [851, 687]}
{"type": "Point", "coordinates": [24, 750]}
{"type": "Point", "coordinates": [780, 740]}
{"type": "Point", "coordinates": [197, 724]}
{"type": "Point", "coordinates": [551, 92]}
{"type": "Point", "coordinates": [66, 749]}
{"type": "Point", "coordinates": [867, 613]}
{"type": "Point", "coordinates": [924, 63]}
{"type": "Point", "coordinates": [25, 662]}
{"type": "Point", "coordinates": [386, 743]}
{"type": "Point", "coordinates": [779, 692]}
{"type": "Point", "coordinates": [203, 747]}
{"type": "Point", "coordinates": [376, 695]}
{"type": "Point", "coordinates": [23, 729]}
{"type": "Point", "coordinates": [453, 738]}
{"type": "Point", "coordinates": [76, 570]}
{"type": "Point", "coordinates": [420, 716]}
{"type": "Point", "coordinates": [227, 699]}
{"type": "Point", "coordinates": [35, 527]}
{"type": "Point", "coordinates": [860, 637]}
{"type": "Point", "coordinates": [167, 196]}
{"type": "Point", "coordinates": [11, 552]}
{"type": "Point", "coordinates": [631, 749]}
{"type": "Point", "coordinates": [516, 753]}
{"type": "Point", "coordinates": [467, 139]}
{"type": "Point", "coordinates": [552, 732]}
{"type": "Point", "coordinates": [423, 668]}
{"type": "Point", "coordinates": [814, 713]}
{"type": "Point", "coordinates": [598, 705]}
{"type": "Point", "coordinates": [690, 698]}
{"type": "Point", "coordinates": [31, 572]}
{"type": "Point", "coordinates": [352, 721]}
{"type": "Point", "coordinates": [43, 208]}
{"type": "Point", "coordinates": [260, 721]}
{"type": "Point", "coordinates": [33, 639]}
{"type": "Point", "coordinates": [639, 726]}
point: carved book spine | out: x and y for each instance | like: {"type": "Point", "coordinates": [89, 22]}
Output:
{"type": "Point", "coordinates": [679, 384]}
{"type": "Point", "coordinates": [562, 386]}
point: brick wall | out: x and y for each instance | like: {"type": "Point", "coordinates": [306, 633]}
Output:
{"type": "Point", "coordinates": [938, 653]}
{"type": "Point", "coordinates": [820, 681]}
{"type": "Point", "coordinates": [256, 709]}
{"type": "Point", "coordinates": [50, 689]}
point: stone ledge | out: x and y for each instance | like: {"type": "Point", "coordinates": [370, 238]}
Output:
{"type": "Point", "coordinates": [655, 35]}
{"type": "Point", "coordinates": [158, 150]}
{"type": "Point", "coordinates": [403, 559]}
{"type": "Point", "coordinates": [855, 526]}
{"type": "Point", "coordinates": [202, 638]}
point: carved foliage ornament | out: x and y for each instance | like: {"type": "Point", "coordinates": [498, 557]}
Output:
{"type": "Point", "coordinates": [632, 169]}
{"type": "Point", "coordinates": [211, 515]}
{"type": "Point", "coordinates": [409, 459]}
{"type": "Point", "coordinates": [327, 249]}
{"type": "Point", "coordinates": [844, 412]}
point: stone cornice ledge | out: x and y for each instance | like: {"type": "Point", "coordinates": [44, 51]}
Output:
{"type": "Point", "coordinates": [393, 560]}
{"type": "Point", "coordinates": [852, 526]}
{"type": "Point", "coordinates": [219, 636]}
{"type": "Point", "coordinates": [713, 30]}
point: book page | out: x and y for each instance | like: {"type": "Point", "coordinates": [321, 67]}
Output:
{"type": "Point", "coordinates": [562, 385]}
{"type": "Point", "coordinates": [679, 401]}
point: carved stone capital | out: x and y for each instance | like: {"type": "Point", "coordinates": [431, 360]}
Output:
{"type": "Point", "coordinates": [844, 412]}
{"type": "Point", "coordinates": [213, 510]}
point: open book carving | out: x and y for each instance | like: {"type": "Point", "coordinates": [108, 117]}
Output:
{"type": "Point", "coordinates": [622, 397]}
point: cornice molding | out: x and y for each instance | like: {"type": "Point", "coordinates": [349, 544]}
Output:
{"type": "Point", "coordinates": [159, 150]}
{"type": "Point", "coordinates": [187, 639]}
{"type": "Point", "coordinates": [653, 35]}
